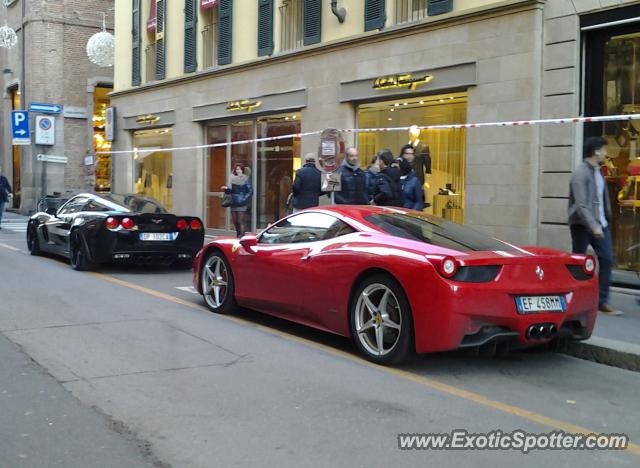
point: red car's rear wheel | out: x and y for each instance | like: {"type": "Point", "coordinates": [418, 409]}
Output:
{"type": "Point", "coordinates": [381, 323]}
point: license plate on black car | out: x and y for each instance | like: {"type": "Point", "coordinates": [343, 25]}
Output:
{"type": "Point", "coordinates": [158, 236]}
{"type": "Point", "coordinates": [538, 304]}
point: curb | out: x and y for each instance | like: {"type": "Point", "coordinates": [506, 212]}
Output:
{"type": "Point", "coordinates": [609, 352]}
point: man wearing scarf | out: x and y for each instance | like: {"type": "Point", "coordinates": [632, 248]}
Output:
{"type": "Point", "coordinates": [354, 181]}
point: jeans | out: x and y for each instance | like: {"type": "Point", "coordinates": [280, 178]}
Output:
{"type": "Point", "coordinates": [1, 209]}
{"type": "Point", "coordinates": [581, 238]}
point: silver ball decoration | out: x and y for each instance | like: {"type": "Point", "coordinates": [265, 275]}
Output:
{"type": "Point", "coordinates": [8, 37]}
{"type": "Point", "coordinates": [100, 49]}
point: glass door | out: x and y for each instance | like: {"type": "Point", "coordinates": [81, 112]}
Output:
{"type": "Point", "coordinates": [217, 170]}
{"type": "Point", "coordinates": [242, 155]}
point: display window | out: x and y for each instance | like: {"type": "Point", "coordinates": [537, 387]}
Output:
{"type": "Point", "coordinates": [103, 161]}
{"type": "Point", "coordinates": [439, 154]}
{"type": "Point", "coordinates": [153, 167]}
{"type": "Point", "coordinates": [613, 87]}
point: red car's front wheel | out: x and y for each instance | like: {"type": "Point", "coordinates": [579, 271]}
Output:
{"type": "Point", "coordinates": [380, 319]}
{"type": "Point", "coordinates": [217, 284]}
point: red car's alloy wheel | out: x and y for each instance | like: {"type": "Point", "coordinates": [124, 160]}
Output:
{"type": "Point", "coordinates": [217, 284]}
{"type": "Point", "coordinates": [381, 320]}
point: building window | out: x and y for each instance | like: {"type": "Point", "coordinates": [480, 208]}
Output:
{"type": "Point", "coordinates": [613, 87]}
{"type": "Point", "coordinates": [440, 154]}
{"type": "Point", "coordinates": [408, 11]}
{"type": "Point", "coordinates": [210, 38]}
{"type": "Point", "coordinates": [291, 25]}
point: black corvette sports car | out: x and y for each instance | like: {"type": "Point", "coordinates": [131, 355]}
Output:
{"type": "Point", "coordinates": [93, 229]}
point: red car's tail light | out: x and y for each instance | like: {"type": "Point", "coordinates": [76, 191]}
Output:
{"type": "Point", "coordinates": [449, 267]}
{"type": "Point", "coordinates": [112, 223]}
{"type": "Point", "coordinates": [182, 225]}
{"type": "Point", "coordinates": [128, 223]}
{"type": "Point", "coordinates": [589, 265]}
{"type": "Point", "coordinates": [195, 225]}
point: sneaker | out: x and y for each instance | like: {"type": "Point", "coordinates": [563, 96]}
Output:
{"type": "Point", "coordinates": [607, 309]}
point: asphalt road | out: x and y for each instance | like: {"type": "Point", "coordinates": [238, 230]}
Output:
{"type": "Point", "coordinates": [155, 377]}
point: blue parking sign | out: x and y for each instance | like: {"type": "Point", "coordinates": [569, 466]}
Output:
{"type": "Point", "coordinates": [20, 132]}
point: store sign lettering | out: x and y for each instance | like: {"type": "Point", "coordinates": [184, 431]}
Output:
{"type": "Point", "coordinates": [244, 105]}
{"type": "Point", "coordinates": [147, 119]}
{"type": "Point", "coordinates": [401, 81]}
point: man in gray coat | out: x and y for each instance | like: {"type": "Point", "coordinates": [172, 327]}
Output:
{"type": "Point", "coordinates": [590, 214]}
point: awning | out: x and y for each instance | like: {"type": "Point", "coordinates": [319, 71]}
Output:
{"type": "Point", "coordinates": [204, 4]}
{"type": "Point", "coordinates": [153, 15]}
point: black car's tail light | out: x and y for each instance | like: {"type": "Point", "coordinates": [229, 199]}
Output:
{"type": "Point", "coordinates": [195, 225]}
{"type": "Point", "coordinates": [182, 225]}
{"type": "Point", "coordinates": [476, 274]}
{"type": "Point", "coordinates": [112, 223]}
{"type": "Point", "coordinates": [128, 223]}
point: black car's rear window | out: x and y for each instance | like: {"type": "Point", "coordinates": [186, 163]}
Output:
{"type": "Point", "coordinates": [436, 231]}
{"type": "Point", "coordinates": [133, 203]}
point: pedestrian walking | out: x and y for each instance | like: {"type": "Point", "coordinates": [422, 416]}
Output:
{"type": "Point", "coordinates": [590, 214]}
{"type": "Point", "coordinates": [241, 192]}
{"type": "Point", "coordinates": [387, 190]}
{"type": "Point", "coordinates": [5, 194]}
{"type": "Point", "coordinates": [371, 177]}
{"type": "Point", "coordinates": [353, 181]}
{"type": "Point", "coordinates": [412, 193]}
{"type": "Point", "coordinates": [307, 188]}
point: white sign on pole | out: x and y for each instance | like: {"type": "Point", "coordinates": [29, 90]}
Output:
{"type": "Point", "coordinates": [110, 123]}
{"type": "Point", "coordinates": [52, 158]}
{"type": "Point", "coordinates": [45, 130]}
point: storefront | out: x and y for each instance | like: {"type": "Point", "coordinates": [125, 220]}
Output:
{"type": "Point", "coordinates": [270, 164]}
{"type": "Point", "coordinates": [613, 87]}
{"type": "Point", "coordinates": [102, 174]}
{"type": "Point", "coordinates": [416, 99]}
{"type": "Point", "coordinates": [150, 166]}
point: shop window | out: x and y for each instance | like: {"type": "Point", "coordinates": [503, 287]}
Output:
{"type": "Point", "coordinates": [291, 25]}
{"type": "Point", "coordinates": [440, 154]}
{"type": "Point", "coordinates": [153, 166]}
{"type": "Point", "coordinates": [103, 161]}
{"type": "Point", "coordinates": [614, 88]}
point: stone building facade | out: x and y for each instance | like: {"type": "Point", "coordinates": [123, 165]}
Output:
{"type": "Point", "coordinates": [50, 65]}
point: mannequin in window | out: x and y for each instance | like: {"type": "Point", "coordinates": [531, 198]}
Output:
{"type": "Point", "coordinates": [419, 158]}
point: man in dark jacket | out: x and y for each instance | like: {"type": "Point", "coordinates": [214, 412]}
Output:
{"type": "Point", "coordinates": [353, 181]}
{"type": "Point", "coordinates": [5, 191]}
{"type": "Point", "coordinates": [590, 214]}
{"type": "Point", "coordinates": [307, 188]}
{"type": "Point", "coordinates": [387, 191]}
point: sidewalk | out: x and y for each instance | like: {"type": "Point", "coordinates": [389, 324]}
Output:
{"type": "Point", "coordinates": [615, 340]}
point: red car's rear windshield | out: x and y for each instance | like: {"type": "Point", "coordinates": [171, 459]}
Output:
{"type": "Point", "coordinates": [436, 231]}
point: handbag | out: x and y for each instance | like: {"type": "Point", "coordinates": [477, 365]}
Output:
{"type": "Point", "coordinates": [227, 200]}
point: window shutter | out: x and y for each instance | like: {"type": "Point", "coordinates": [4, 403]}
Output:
{"type": "Point", "coordinates": [160, 40]}
{"type": "Point", "coordinates": [135, 41]}
{"type": "Point", "coordinates": [439, 7]}
{"type": "Point", "coordinates": [265, 27]}
{"type": "Point", "coordinates": [225, 32]}
{"type": "Point", "coordinates": [374, 14]}
{"type": "Point", "coordinates": [312, 21]}
{"type": "Point", "coordinates": [190, 36]}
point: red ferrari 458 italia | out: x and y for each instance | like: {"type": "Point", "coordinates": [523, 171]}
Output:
{"type": "Point", "coordinates": [399, 281]}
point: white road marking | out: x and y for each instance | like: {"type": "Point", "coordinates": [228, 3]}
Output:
{"type": "Point", "coordinates": [189, 289]}
{"type": "Point", "coordinates": [6, 246]}
{"type": "Point", "coordinates": [15, 226]}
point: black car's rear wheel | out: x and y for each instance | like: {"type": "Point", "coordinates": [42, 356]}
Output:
{"type": "Point", "coordinates": [217, 284]}
{"type": "Point", "coordinates": [78, 255]}
{"type": "Point", "coordinates": [380, 320]}
{"type": "Point", "coordinates": [33, 244]}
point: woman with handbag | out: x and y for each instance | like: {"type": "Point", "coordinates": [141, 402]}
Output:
{"type": "Point", "coordinates": [238, 196]}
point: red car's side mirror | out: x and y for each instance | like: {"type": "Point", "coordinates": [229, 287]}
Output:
{"type": "Point", "coordinates": [248, 241]}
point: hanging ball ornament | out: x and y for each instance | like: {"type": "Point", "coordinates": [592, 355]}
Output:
{"type": "Point", "coordinates": [100, 49]}
{"type": "Point", "coordinates": [8, 37]}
